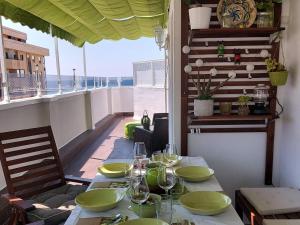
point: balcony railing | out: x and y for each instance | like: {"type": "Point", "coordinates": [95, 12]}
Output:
{"type": "Point", "coordinates": [29, 85]}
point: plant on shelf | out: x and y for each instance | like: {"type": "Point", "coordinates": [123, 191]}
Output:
{"type": "Point", "coordinates": [243, 101]}
{"type": "Point", "coordinates": [203, 103]}
{"type": "Point", "coordinates": [199, 15]}
{"type": "Point", "coordinates": [277, 72]}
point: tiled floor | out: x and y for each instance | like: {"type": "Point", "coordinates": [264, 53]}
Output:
{"type": "Point", "coordinates": [111, 144]}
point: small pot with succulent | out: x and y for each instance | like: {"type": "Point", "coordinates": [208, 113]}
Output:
{"type": "Point", "coordinates": [204, 103]}
{"type": "Point", "coordinates": [243, 109]}
{"type": "Point", "coordinates": [277, 72]}
{"type": "Point", "coordinates": [198, 14]}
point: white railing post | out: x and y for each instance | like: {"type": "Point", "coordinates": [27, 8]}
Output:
{"type": "Point", "coordinates": [84, 67]}
{"type": "Point", "coordinates": [106, 81]}
{"type": "Point", "coordinates": [57, 62]}
{"type": "Point", "coordinates": [119, 81]}
{"type": "Point", "coordinates": [39, 93]}
{"type": "Point", "coordinates": [6, 97]}
{"type": "Point", "coordinates": [94, 82]}
{"type": "Point", "coordinates": [74, 81]}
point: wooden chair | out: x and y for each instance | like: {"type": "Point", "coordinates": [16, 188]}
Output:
{"type": "Point", "coordinates": [255, 216]}
{"type": "Point", "coordinates": [34, 174]}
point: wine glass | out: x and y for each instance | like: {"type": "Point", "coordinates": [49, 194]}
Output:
{"type": "Point", "coordinates": [138, 190]}
{"type": "Point", "coordinates": [140, 152]}
{"type": "Point", "coordinates": [165, 179]}
{"type": "Point", "coordinates": [170, 154]}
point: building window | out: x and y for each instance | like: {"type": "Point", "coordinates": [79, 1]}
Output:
{"type": "Point", "coordinates": [39, 59]}
{"type": "Point", "coordinates": [20, 73]}
{"type": "Point", "coordinates": [22, 57]}
{"type": "Point", "coordinates": [32, 57]}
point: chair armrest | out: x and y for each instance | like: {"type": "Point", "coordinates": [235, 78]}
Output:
{"type": "Point", "coordinates": [78, 179]}
{"type": "Point", "coordinates": [18, 202]}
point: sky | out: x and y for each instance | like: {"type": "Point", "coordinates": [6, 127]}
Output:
{"type": "Point", "coordinates": [106, 58]}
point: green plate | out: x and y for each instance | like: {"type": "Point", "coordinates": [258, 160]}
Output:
{"type": "Point", "coordinates": [194, 173]}
{"type": "Point", "coordinates": [205, 203]}
{"type": "Point", "coordinates": [144, 221]}
{"type": "Point", "coordinates": [114, 170]}
{"type": "Point", "coordinates": [99, 199]}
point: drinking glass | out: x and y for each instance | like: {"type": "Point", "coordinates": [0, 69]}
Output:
{"type": "Point", "coordinates": [138, 191]}
{"type": "Point", "coordinates": [165, 179]}
{"type": "Point", "coordinates": [157, 156]}
{"type": "Point", "coordinates": [139, 151]}
{"type": "Point", "coordinates": [170, 154]}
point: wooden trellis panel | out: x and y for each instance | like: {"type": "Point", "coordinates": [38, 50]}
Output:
{"type": "Point", "coordinates": [204, 43]}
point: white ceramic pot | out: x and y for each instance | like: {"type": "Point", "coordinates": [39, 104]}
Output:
{"type": "Point", "coordinates": [203, 107]}
{"type": "Point", "coordinates": [200, 17]}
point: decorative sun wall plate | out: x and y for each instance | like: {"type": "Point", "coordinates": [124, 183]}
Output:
{"type": "Point", "coordinates": [242, 12]}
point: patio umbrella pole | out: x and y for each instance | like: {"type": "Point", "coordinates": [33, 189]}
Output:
{"type": "Point", "coordinates": [57, 62]}
{"type": "Point", "coordinates": [84, 67]}
{"type": "Point", "coordinates": [6, 97]}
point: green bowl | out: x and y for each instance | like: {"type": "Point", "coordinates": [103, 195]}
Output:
{"type": "Point", "coordinates": [99, 199]}
{"type": "Point", "coordinates": [205, 203]}
{"type": "Point", "coordinates": [114, 170]}
{"type": "Point", "coordinates": [144, 221]}
{"type": "Point", "coordinates": [147, 210]}
{"type": "Point", "coordinates": [194, 173]}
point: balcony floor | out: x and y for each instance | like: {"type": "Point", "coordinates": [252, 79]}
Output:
{"type": "Point", "coordinates": [110, 145]}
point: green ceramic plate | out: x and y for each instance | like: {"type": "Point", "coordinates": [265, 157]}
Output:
{"type": "Point", "coordinates": [99, 199]}
{"type": "Point", "coordinates": [114, 170]}
{"type": "Point", "coordinates": [144, 221]}
{"type": "Point", "coordinates": [194, 173]}
{"type": "Point", "coordinates": [205, 202]}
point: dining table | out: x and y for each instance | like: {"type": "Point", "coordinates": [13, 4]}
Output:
{"type": "Point", "coordinates": [229, 217]}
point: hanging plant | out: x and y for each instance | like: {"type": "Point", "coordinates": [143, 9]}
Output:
{"type": "Point", "coordinates": [277, 72]}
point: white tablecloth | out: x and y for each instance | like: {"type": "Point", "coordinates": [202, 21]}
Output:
{"type": "Point", "coordinates": [229, 217]}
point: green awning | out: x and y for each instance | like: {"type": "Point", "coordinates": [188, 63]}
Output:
{"type": "Point", "coordinates": [79, 21]}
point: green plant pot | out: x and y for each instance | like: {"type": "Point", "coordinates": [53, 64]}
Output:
{"type": "Point", "coordinates": [278, 78]}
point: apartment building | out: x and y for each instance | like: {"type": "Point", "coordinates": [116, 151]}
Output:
{"type": "Point", "coordinates": [21, 58]}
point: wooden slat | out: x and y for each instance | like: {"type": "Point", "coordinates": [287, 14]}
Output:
{"type": "Point", "coordinates": [238, 76]}
{"type": "Point", "coordinates": [230, 43]}
{"type": "Point", "coordinates": [225, 91]}
{"type": "Point", "coordinates": [233, 130]}
{"type": "Point", "coordinates": [233, 122]}
{"type": "Point", "coordinates": [29, 158]}
{"type": "Point", "coordinates": [27, 150]}
{"type": "Point", "coordinates": [30, 192]}
{"type": "Point", "coordinates": [26, 142]}
{"type": "Point", "coordinates": [33, 166]}
{"type": "Point", "coordinates": [33, 174]}
{"type": "Point", "coordinates": [24, 133]}
{"type": "Point", "coordinates": [225, 59]}
{"type": "Point", "coordinates": [214, 51]}
{"type": "Point", "coordinates": [227, 67]}
{"type": "Point", "coordinates": [237, 83]}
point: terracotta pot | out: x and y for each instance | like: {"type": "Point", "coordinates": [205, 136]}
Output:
{"type": "Point", "coordinates": [203, 107]}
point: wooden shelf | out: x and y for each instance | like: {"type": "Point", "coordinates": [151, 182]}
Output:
{"type": "Point", "coordinates": [230, 120]}
{"type": "Point", "coordinates": [237, 32]}
{"type": "Point", "coordinates": [231, 117]}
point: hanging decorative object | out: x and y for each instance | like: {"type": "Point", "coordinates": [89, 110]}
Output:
{"type": "Point", "coordinates": [199, 62]}
{"type": "Point", "coordinates": [250, 68]}
{"type": "Point", "coordinates": [242, 12]}
{"type": "Point", "coordinates": [188, 69]}
{"type": "Point", "coordinates": [264, 53]}
{"type": "Point", "coordinates": [221, 49]}
{"type": "Point", "coordinates": [213, 72]}
{"type": "Point", "coordinates": [232, 74]}
{"type": "Point", "coordinates": [237, 56]}
{"type": "Point", "coordinates": [247, 51]}
{"type": "Point", "coordinates": [186, 49]}
{"type": "Point", "coordinates": [145, 121]}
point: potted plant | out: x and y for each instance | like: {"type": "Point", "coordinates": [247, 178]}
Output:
{"type": "Point", "coordinates": [198, 14]}
{"type": "Point", "coordinates": [204, 103]}
{"type": "Point", "coordinates": [277, 72]}
{"type": "Point", "coordinates": [265, 12]}
{"type": "Point", "coordinates": [243, 109]}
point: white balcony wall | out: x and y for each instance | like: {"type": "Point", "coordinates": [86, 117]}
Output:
{"type": "Point", "coordinates": [69, 115]}
{"type": "Point", "coordinates": [122, 99]}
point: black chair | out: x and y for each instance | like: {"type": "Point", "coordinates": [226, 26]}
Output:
{"type": "Point", "coordinates": [155, 139]}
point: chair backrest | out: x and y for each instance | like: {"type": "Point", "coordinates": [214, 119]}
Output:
{"type": "Point", "coordinates": [160, 134]}
{"type": "Point", "coordinates": [30, 161]}
{"type": "Point", "coordinates": [159, 116]}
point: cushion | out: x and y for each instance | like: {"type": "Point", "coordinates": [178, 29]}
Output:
{"type": "Point", "coordinates": [54, 206]}
{"type": "Point", "coordinates": [281, 222]}
{"type": "Point", "coordinates": [270, 201]}
{"type": "Point", "coordinates": [130, 127]}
